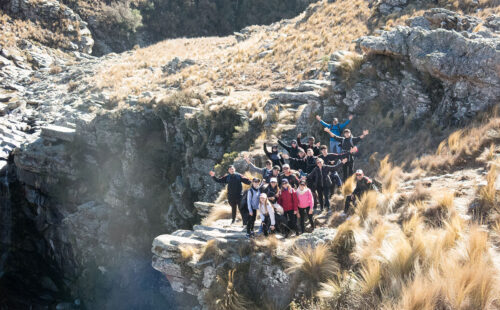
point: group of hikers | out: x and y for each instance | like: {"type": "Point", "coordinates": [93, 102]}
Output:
{"type": "Point", "coordinates": [287, 193]}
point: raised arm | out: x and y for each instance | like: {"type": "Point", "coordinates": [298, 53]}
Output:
{"type": "Point", "coordinates": [222, 179]}
{"type": "Point", "coordinates": [328, 131]}
{"type": "Point", "coordinates": [255, 169]}
{"type": "Point", "coordinates": [245, 180]}
{"type": "Point", "coordinates": [342, 126]}
{"type": "Point", "coordinates": [299, 143]}
{"type": "Point", "coordinates": [357, 139]}
{"type": "Point", "coordinates": [265, 150]}
{"type": "Point", "coordinates": [332, 168]}
{"type": "Point", "coordinates": [283, 145]}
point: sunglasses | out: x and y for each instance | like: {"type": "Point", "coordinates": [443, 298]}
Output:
{"type": "Point", "coordinates": [286, 168]}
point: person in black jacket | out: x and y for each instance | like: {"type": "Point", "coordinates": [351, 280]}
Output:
{"type": "Point", "coordinates": [331, 159]}
{"type": "Point", "coordinates": [274, 156]}
{"type": "Point", "coordinates": [233, 180]}
{"type": "Point", "coordinates": [306, 164]}
{"type": "Point", "coordinates": [310, 144]}
{"type": "Point", "coordinates": [293, 151]}
{"type": "Point", "coordinates": [347, 144]}
{"type": "Point", "coordinates": [363, 184]}
{"type": "Point", "coordinates": [320, 177]}
{"type": "Point", "coordinates": [287, 174]}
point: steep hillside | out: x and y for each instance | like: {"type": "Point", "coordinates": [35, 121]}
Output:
{"type": "Point", "coordinates": [99, 155]}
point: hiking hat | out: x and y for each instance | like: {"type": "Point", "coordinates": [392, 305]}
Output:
{"type": "Point", "coordinates": [286, 166]}
{"type": "Point", "coordinates": [284, 181]}
{"type": "Point", "coordinates": [302, 182]}
{"type": "Point", "coordinates": [256, 180]}
{"type": "Point", "coordinates": [294, 141]}
{"type": "Point", "coordinates": [273, 180]}
{"type": "Point", "coordinates": [301, 150]}
{"type": "Point", "coordinates": [276, 167]}
{"type": "Point", "coordinates": [359, 172]}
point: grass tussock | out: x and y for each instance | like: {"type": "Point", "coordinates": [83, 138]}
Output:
{"type": "Point", "coordinates": [440, 211]}
{"type": "Point", "coordinates": [462, 147]}
{"type": "Point", "coordinates": [488, 199]}
{"type": "Point", "coordinates": [212, 251]}
{"type": "Point", "coordinates": [218, 212]}
{"type": "Point", "coordinates": [312, 266]}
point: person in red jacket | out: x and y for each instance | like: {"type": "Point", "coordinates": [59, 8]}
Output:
{"type": "Point", "coordinates": [289, 201]}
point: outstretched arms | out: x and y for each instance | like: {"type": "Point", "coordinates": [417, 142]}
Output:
{"type": "Point", "coordinates": [286, 147]}
{"type": "Point", "coordinates": [218, 180]}
{"type": "Point", "coordinates": [327, 130]}
{"type": "Point", "coordinates": [253, 168]}
{"type": "Point", "coordinates": [265, 150]}
{"type": "Point", "coordinates": [357, 139]}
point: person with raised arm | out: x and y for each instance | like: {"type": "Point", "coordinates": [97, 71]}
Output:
{"type": "Point", "coordinates": [337, 129]}
{"type": "Point", "coordinates": [311, 144]}
{"type": "Point", "coordinates": [233, 180]}
{"type": "Point", "coordinates": [293, 151]}
{"type": "Point", "coordinates": [265, 172]}
{"type": "Point", "coordinates": [320, 177]}
{"type": "Point", "coordinates": [348, 145]}
{"type": "Point", "coordinates": [274, 155]}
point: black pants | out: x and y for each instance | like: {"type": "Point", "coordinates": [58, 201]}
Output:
{"type": "Point", "coordinates": [311, 186]}
{"type": "Point", "coordinates": [280, 223]}
{"type": "Point", "coordinates": [251, 221]}
{"type": "Point", "coordinates": [348, 169]}
{"type": "Point", "coordinates": [291, 222]}
{"type": "Point", "coordinates": [266, 225]}
{"type": "Point", "coordinates": [323, 197]}
{"type": "Point", "coordinates": [336, 182]}
{"type": "Point", "coordinates": [348, 200]}
{"type": "Point", "coordinates": [303, 213]}
{"type": "Point", "coordinates": [235, 205]}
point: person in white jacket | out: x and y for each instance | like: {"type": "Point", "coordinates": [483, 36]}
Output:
{"type": "Point", "coordinates": [266, 211]}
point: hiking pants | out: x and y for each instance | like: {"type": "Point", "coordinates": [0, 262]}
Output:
{"type": "Point", "coordinates": [291, 221]}
{"type": "Point", "coordinates": [323, 197]}
{"type": "Point", "coordinates": [348, 169]}
{"type": "Point", "coordinates": [266, 225]}
{"type": "Point", "coordinates": [303, 213]}
{"type": "Point", "coordinates": [251, 221]}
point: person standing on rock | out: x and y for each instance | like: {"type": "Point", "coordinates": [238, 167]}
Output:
{"type": "Point", "coordinates": [274, 156]}
{"type": "Point", "coordinates": [233, 180]}
{"type": "Point", "coordinates": [347, 144]}
{"type": "Point", "coordinates": [363, 184]}
{"type": "Point", "coordinates": [305, 205]}
{"type": "Point", "coordinates": [320, 177]}
{"type": "Point", "coordinates": [265, 172]}
{"type": "Point", "coordinates": [293, 151]}
{"type": "Point", "coordinates": [310, 144]}
{"type": "Point", "coordinates": [253, 196]}
{"type": "Point", "coordinates": [266, 214]}
{"type": "Point", "coordinates": [288, 200]}
{"type": "Point", "coordinates": [337, 129]}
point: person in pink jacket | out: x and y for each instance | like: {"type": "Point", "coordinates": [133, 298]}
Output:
{"type": "Point", "coordinates": [306, 203]}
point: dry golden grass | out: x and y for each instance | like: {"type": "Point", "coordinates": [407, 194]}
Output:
{"type": "Point", "coordinates": [367, 203]}
{"type": "Point", "coordinates": [211, 250]}
{"type": "Point", "coordinates": [187, 252]}
{"type": "Point", "coordinates": [488, 201]}
{"type": "Point", "coordinates": [231, 299]}
{"type": "Point", "coordinates": [462, 147]}
{"type": "Point", "coordinates": [348, 186]}
{"type": "Point", "coordinates": [440, 211]}
{"type": "Point", "coordinates": [311, 266]}
{"type": "Point", "coordinates": [219, 212]}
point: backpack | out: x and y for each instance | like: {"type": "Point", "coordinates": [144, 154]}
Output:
{"type": "Point", "coordinates": [243, 203]}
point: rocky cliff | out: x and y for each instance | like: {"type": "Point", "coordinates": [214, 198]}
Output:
{"type": "Point", "coordinates": [88, 180]}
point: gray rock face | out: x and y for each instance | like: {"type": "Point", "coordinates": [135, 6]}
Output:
{"type": "Point", "coordinates": [51, 12]}
{"type": "Point", "coordinates": [465, 63]}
